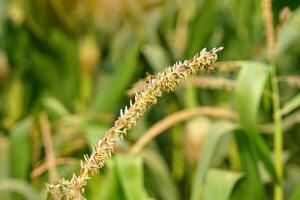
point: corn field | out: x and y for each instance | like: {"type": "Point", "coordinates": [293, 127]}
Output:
{"type": "Point", "coordinates": [149, 100]}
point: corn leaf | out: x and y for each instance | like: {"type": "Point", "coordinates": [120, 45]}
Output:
{"type": "Point", "coordinates": [202, 26]}
{"type": "Point", "coordinates": [290, 33]}
{"type": "Point", "coordinates": [20, 150]}
{"type": "Point", "coordinates": [55, 107]}
{"type": "Point", "coordinates": [21, 187]}
{"type": "Point", "coordinates": [4, 160]}
{"type": "Point", "coordinates": [241, 191]}
{"type": "Point", "coordinates": [220, 183]}
{"type": "Point", "coordinates": [248, 92]}
{"type": "Point", "coordinates": [130, 173]}
{"type": "Point", "coordinates": [111, 186]}
{"type": "Point", "coordinates": [214, 134]}
{"type": "Point", "coordinates": [291, 105]}
{"type": "Point", "coordinates": [157, 170]}
{"type": "Point", "coordinates": [112, 92]}
{"type": "Point", "coordinates": [296, 193]}
{"type": "Point", "coordinates": [248, 161]}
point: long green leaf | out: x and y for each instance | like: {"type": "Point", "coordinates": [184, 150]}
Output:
{"type": "Point", "coordinates": [202, 26]}
{"type": "Point", "coordinates": [249, 89]}
{"type": "Point", "coordinates": [290, 33]}
{"type": "Point", "coordinates": [213, 136]}
{"type": "Point", "coordinates": [291, 105]}
{"type": "Point", "coordinates": [296, 193]}
{"type": "Point", "coordinates": [55, 107]}
{"type": "Point", "coordinates": [21, 187]}
{"type": "Point", "coordinates": [20, 150]}
{"type": "Point", "coordinates": [159, 175]}
{"type": "Point", "coordinates": [241, 191]}
{"type": "Point", "coordinates": [130, 173]}
{"type": "Point", "coordinates": [220, 183]}
{"type": "Point", "coordinates": [249, 165]}
{"type": "Point", "coordinates": [4, 157]}
{"type": "Point", "coordinates": [156, 56]}
{"type": "Point", "coordinates": [4, 160]}
{"type": "Point", "coordinates": [92, 191]}
{"type": "Point", "coordinates": [93, 131]}
{"type": "Point", "coordinates": [112, 187]}
{"type": "Point", "coordinates": [112, 92]}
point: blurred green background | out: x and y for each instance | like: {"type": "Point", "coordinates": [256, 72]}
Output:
{"type": "Point", "coordinates": [67, 67]}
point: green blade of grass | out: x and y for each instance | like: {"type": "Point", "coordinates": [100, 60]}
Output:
{"type": "Point", "coordinates": [111, 186]}
{"type": "Point", "coordinates": [130, 173]}
{"type": "Point", "coordinates": [92, 191]}
{"type": "Point", "coordinates": [241, 191]}
{"type": "Point", "coordinates": [208, 16]}
{"type": "Point", "coordinates": [249, 88]}
{"type": "Point", "coordinates": [93, 131]}
{"type": "Point", "coordinates": [213, 136]}
{"type": "Point", "coordinates": [125, 179]}
{"type": "Point", "coordinates": [21, 187]}
{"type": "Point", "coordinates": [20, 150]}
{"type": "Point", "coordinates": [111, 93]}
{"type": "Point", "coordinates": [156, 56]}
{"type": "Point", "coordinates": [249, 165]}
{"type": "Point", "coordinates": [55, 107]}
{"type": "Point", "coordinates": [220, 183]}
{"type": "Point", "coordinates": [4, 167]}
{"type": "Point", "coordinates": [163, 184]}
{"type": "Point", "coordinates": [291, 105]}
{"type": "Point", "coordinates": [290, 33]}
{"type": "Point", "coordinates": [296, 193]}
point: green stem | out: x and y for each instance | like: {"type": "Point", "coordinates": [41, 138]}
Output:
{"type": "Point", "coordinates": [190, 96]}
{"type": "Point", "coordinates": [278, 139]}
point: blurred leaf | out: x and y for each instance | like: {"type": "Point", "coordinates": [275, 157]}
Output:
{"type": "Point", "coordinates": [63, 15]}
{"type": "Point", "coordinates": [202, 26]}
{"type": "Point", "coordinates": [125, 179]}
{"type": "Point", "coordinates": [200, 29]}
{"type": "Point", "coordinates": [21, 187]}
{"type": "Point", "coordinates": [156, 56]}
{"type": "Point", "coordinates": [3, 12]}
{"type": "Point", "coordinates": [4, 158]}
{"type": "Point", "coordinates": [4, 167]}
{"type": "Point", "coordinates": [249, 165]}
{"type": "Point", "coordinates": [211, 141]}
{"type": "Point", "coordinates": [55, 107]}
{"type": "Point", "coordinates": [16, 45]}
{"type": "Point", "coordinates": [92, 191]}
{"type": "Point", "coordinates": [291, 105]}
{"type": "Point", "coordinates": [93, 131]}
{"type": "Point", "coordinates": [20, 149]}
{"type": "Point", "coordinates": [241, 191]}
{"type": "Point", "coordinates": [164, 186]}
{"type": "Point", "coordinates": [248, 91]}
{"type": "Point", "coordinates": [111, 93]}
{"type": "Point", "coordinates": [296, 193]}
{"type": "Point", "coordinates": [290, 33]}
{"type": "Point", "coordinates": [55, 66]}
{"type": "Point", "coordinates": [130, 173]}
{"type": "Point", "coordinates": [111, 186]}
{"type": "Point", "coordinates": [220, 183]}
{"type": "Point", "coordinates": [245, 29]}
{"type": "Point", "coordinates": [15, 100]}
{"type": "Point", "coordinates": [119, 45]}
{"type": "Point", "coordinates": [249, 88]}
{"type": "Point", "coordinates": [42, 47]}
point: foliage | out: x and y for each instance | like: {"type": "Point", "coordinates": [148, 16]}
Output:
{"type": "Point", "coordinates": [80, 62]}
